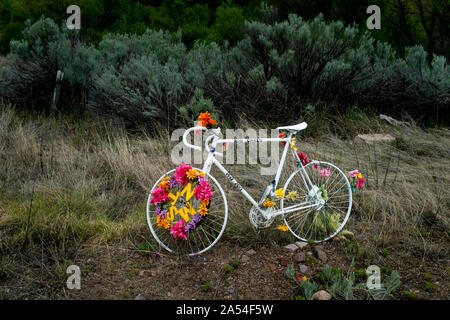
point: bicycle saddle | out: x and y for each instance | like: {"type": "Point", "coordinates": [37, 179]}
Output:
{"type": "Point", "coordinates": [296, 127]}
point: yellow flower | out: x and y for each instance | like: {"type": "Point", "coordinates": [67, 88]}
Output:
{"type": "Point", "coordinates": [192, 174]}
{"type": "Point", "coordinates": [268, 203]}
{"type": "Point", "coordinates": [201, 174]}
{"type": "Point", "coordinates": [163, 223]}
{"type": "Point", "coordinates": [282, 228]}
{"type": "Point", "coordinates": [293, 144]}
{"type": "Point", "coordinates": [203, 210]}
{"type": "Point", "coordinates": [291, 195]}
{"type": "Point", "coordinates": [279, 193]}
{"type": "Point", "coordinates": [359, 175]}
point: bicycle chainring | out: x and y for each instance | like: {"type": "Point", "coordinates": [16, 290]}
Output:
{"type": "Point", "coordinates": [258, 220]}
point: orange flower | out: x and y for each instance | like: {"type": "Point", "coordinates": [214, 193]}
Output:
{"type": "Point", "coordinates": [268, 203]}
{"type": "Point", "coordinates": [282, 228]}
{"type": "Point", "coordinates": [205, 119]}
{"type": "Point", "coordinates": [162, 223]}
{"type": "Point", "coordinates": [164, 184]}
{"type": "Point", "coordinates": [203, 210]}
{"type": "Point", "coordinates": [205, 202]}
{"type": "Point", "coordinates": [300, 278]}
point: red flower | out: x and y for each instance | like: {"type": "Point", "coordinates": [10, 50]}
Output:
{"type": "Point", "coordinates": [282, 136]}
{"type": "Point", "coordinates": [303, 158]}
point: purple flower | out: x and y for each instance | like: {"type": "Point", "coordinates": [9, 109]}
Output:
{"type": "Point", "coordinates": [190, 226]}
{"type": "Point", "coordinates": [173, 183]}
{"type": "Point", "coordinates": [201, 179]}
{"type": "Point", "coordinates": [196, 218]}
{"type": "Point", "coordinates": [163, 214]}
{"type": "Point", "coordinates": [158, 210]}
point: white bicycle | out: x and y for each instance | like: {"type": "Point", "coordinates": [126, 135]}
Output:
{"type": "Point", "coordinates": [315, 201]}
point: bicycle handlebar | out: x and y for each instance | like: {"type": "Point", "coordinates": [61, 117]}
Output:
{"type": "Point", "coordinates": [194, 146]}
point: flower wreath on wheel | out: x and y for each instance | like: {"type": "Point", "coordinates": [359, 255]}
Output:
{"type": "Point", "coordinates": [172, 197]}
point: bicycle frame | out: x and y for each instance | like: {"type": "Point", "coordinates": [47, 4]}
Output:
{"type": "Point", "coordinates": [211, 160]}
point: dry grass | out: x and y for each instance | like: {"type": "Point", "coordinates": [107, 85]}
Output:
{"type": "Point", "coordinates": [64, 184]}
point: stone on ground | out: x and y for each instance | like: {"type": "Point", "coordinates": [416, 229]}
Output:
{"type": "Point", "coordinates": [291, 247]}
{"type": "Point", "coordinates": [376, 137]}
{"type": "Point", "coordinates": [299, 257]}
{"type": "Point", "coordinates": [301, 244]}
{"type": "Point", "coordinates": [250, 252]}
{"type": "Point", "coordinates": [303, 268]}
{"type": "Point", "coordinates": [320, 254]}
{"type": "Point", "coordinates": [245, 258]}
{"type": "Point", "coordinates": [321, 295]}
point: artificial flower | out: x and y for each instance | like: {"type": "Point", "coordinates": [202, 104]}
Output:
{"type": "Point", "coordinates": [279, 193]}
{"type": "Point", "coordinates": [201, 174]}
{"type": "Point", "coordinates": [353, 173]}
{"type": "Point", "coordinates": [205, 202]}
{"type": "Point", "coordinates": [303, 158]}
{"type": "Point", "coordinates": [192, 174]}
{"type": "Point", "coordinates": [268, 203]}
{"type": "Point", "coordinates": [293, 144]}
{"type": "Point", "coordinates": [178, 230]}
{"type": "Point", "coordinates": [180, 175]}
{"type": "Point", "coordinates": [315, 165]}
{"type": "Point", "coordinates": [164, 184]}
{"type": "Point", "coordinates": [291, 195]}
{"type": "Point", "coordinates": [203, 190]}
{"type": "Point", "coordinates": [189, 226]}
{"type": "Point", "coordinates": [282, 228]}
{"type": "Point", "coordinates": [360, 183]}
{"type": "Point", "coordinates": [197, 218]}
{"type": "Point", "coordinates": [325, 172]}
{"type": "Point", "coordinates": [282, 136]}
{"type": "Point", "coordinates": [203, 210]}
{"type": "Point", "coordinates": [162, 223]}
{"type": "Point", "coordinates": [206, 120]}
{"type": "Point", "coordinates": [159, 195]}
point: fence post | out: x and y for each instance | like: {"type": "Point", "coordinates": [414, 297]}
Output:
{"type": "Point", "coordinates": [56, 92]}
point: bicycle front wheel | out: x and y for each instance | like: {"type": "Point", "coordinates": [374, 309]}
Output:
{"type": "Point", "coordinates": [183, 224]}
{"type": "Point", "coordinates": [322, 222]}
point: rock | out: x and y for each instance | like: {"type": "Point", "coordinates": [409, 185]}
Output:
{"type": "Point", "coordinates": [321, 295]}
{"type": "Point", "coordinates": [198, 259]}
{"type": "Point", "coordinates": [376, 137]}
{"type": "Point", "coordinates": [392, 121]}
{"type": "Point", "coordinates": [143, 296]}
{"type": "Point", "coordinates": [301, 244]}
{"type": "Point", "coordinates": [299, 257]}
{"type": "Point", "coordinates": [303, 268]}
{"type": "Point", "coordinates": [250, 252]}
{"type": "Point", "coordinates": [283, 261]}
{"type": "Point", "coordinates": [290, 248]}
{"type": "Point", "coordinates": [245, 258]}
{"type": "Point", "coordinates": [321, 254]}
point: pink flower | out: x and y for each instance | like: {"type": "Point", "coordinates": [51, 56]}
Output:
{"type": "Point", "coordinates": [360, 183]}
{"type": "Point", "coordinates": [178, 230]}
{"type": "Point", "coordinates": [353, 173]}
{"type": "Point", "coordinates": [159, 195]}
{"type": "Point", "coordinates": [303, 158]}
{"type": "Point", "coordinates": [203, 191]}
{"type": "Point", "coordinates": [180, 175]}
{"type": "Point", "coordinates": [325, 172]}
{"type": "Point", "coordinates": [315, 166]}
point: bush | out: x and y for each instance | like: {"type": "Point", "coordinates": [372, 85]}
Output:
{"type": "Point", "coordinates": [29, 76]}
{"type": "Point", "coordinates": [285, 70]}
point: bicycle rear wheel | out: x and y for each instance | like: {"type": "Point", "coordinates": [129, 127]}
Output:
{"type": "Point", "coordinates": [186, 208]}
{"type": "Point", "coordinates": [318, 223]}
